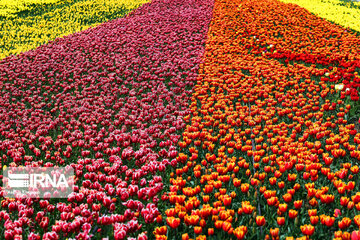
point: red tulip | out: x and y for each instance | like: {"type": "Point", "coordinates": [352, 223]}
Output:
{"type": "Point", "coordinates": [260, 220]}
{"type": "Point", "coordinates": [357, 220]}
{"type": "Point", "coordinates": [283, 207]}
{"type": "Point", "coordinates": [173, 222]}
{"type": "Point", "coordinates": [298, 204]}
{"type": "Point", "coordinates": [293, 213]}
{"type": "Point", "coordinates": [307, 229]}
{"type": "Point", "coordinates": [314, 220]}
{"type": "Point", "coordinates": [280, 221]}
{"type": "Point", "coordinates": [344, 223]}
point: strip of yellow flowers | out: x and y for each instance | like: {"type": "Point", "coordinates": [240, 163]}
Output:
{"type": "Point", "coordinates": [20, 30]}
{"type": "Point", "coordinates": [9, 8]}
{"type": "Point", "coordinates": [344, 13]}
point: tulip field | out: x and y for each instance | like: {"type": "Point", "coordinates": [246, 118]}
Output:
{"type": "Point", "coordinates": [183, 119]}
{"type": "Point", "coordinates": [27, 24]}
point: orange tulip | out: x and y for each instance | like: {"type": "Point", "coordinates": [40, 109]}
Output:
{"type": "Point", "coordinates": [173, 222]}
{"type": "Point", "coordinates": [247, 208]}
{"type": "Point", "coordinates": [314, 220]}
{"type": "Point", "coordinates": [312, 212]}
{"type": "Point", "coordinates": [298, 204]}
{"type": "Point", "coordinates": [274, 232]}
{"type": "Point", "coordinates": [192, 219]}
{"type": "Point", "coordinates": [236, 182]}
{"type": "Point", "coordinates": [357, 220]}
{"type": "Point", "coordinates": [344, 223]}
{"type": "Point", "coordinates": [245, 187]}
{"type": "Point", "coordinates": [160, 230]}
{"type": "Point", "coordinates": [260, 220]}
{"type": "Point", "coordinates": [280, 221]}
{"type": "Point", "coordinates": [287, 197]}
{"type": "Point", "coordinates": [226, 226]}
{"type": "Point", "coordinates": [240, 232]}
{"type": "Point", "coordinates": [307, 229]}
{"type": "Point", "coordinates": [272, 201]}
{"type": "Point", "coordinates": [344, 201]}
{"type": "Point", "coordinates": [227, 201]}
{"type": "Point", "coordinates": [293, 213]}
{"type": "Point", "coordinates": [327, 220]}
{"type": "Point", "coordinates": [283, 207]}
{"type": "Point", "coordinates": [185, 236]}
{"type": "Point", "coordinates": [218, 224]}
{"type": "Point", "coordinates": [197, 230]}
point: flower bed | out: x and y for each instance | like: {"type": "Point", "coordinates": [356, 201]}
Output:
{"type": "Point", "coordinates": [37, 22]}
{"type": "Point", "coordinates": [268, 152]}
{"type": "Point", "coordinates": [110, 102]}
{"type": "Point", "coordinates": [10, 8]}
{"type": "Point", "coordinates": [343, 12]}
{"type": "Point", "coordinates": [249, 136]}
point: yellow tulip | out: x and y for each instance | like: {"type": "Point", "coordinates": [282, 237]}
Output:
{"type": "Point", "coordinates": [20, 34]}
{"type": "Point", "coordinates": [333, 10]}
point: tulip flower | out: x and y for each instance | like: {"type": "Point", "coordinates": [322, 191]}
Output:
{"type": "Point", "coordinates": [283, 207]}
{"type": "Point", "coordinates": [357, 220]}
{"type": "Point", "coordinates": [307, 230]}
{"type": "Point", "coordinates": [344, 223]}
{"type": "Point", "coordinates": [337, 213]}
{"type": "Point", "coordinates": [314, 220]}
{"type": "Point", "coordinates": [298, 204]}
{"type": "Point", "coordinates": [280, 221]}
{"type": "Point", "coordinates": [293, 213]}
{"type": "Point", "coordinates": [197, 230]}
{"type": "Point", "coordinates": [185, 236]}
{"type": "Point", "coordinates": [173, 222]}
{"type": "Point", "coordinates": [240, 232]}
{"type": "Point", "coordinates": [355, 235]}
{"type": "Point", "coordinates": [260, 220]}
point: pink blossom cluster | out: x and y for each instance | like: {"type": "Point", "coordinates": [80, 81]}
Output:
{"type": "Point", "coordinates": [110, 102]}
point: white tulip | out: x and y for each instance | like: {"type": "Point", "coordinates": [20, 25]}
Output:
{"type": "Point", "coordinates": [339, 86]}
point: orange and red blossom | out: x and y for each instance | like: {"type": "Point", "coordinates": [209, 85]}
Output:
{"type": "Point", "coordinates": [312, 212]}
{"type": "Point", "coordinates": [280, 221]}
{"type": "Point", "coordinates": [327, 220]}
{"type": "Point", "coordinates": [357, 220]}
{"type": "Point", "coordinates": [173, 222]}
{"type": "Point", "coordinates": [185, 236]}
{"type": "Point", "coordinates": [293, 213]}
{"type": "Point", "coordinates": [245, 187]}
{"type": "Point", "coordinates": [298, 204]}
{"type": "Point", "coordinates": [307, 229]}
{"type": "Point", "coordinates": [160, 230]}
{"type": "Point", "coordinates": [282, 207]}
{"type": "Point", "coordinates": [274, 232]}
{"type": "Point", "coordinates": [314, 220]}
{"type": "Point", "coordinates": [197, 230]}
{"type": "Point", "coordinates": [240, 232]}
{"type": "Point", "coordinates": [260, 220]}
{"type": "Point", "coordinates": [344, 223]}
{"type": "Point", "coordinates": [247, 208]}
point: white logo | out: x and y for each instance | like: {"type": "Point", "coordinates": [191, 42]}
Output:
{"type": "Point", "coordinates": [39, 182]}
{"type": "Point", "coordinates": [34, 180]}
{"type": "Point", "coordinates": [18, 180]}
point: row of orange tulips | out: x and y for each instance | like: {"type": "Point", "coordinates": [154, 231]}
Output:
{"type": "Point", "coordinates": [268, 152]}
